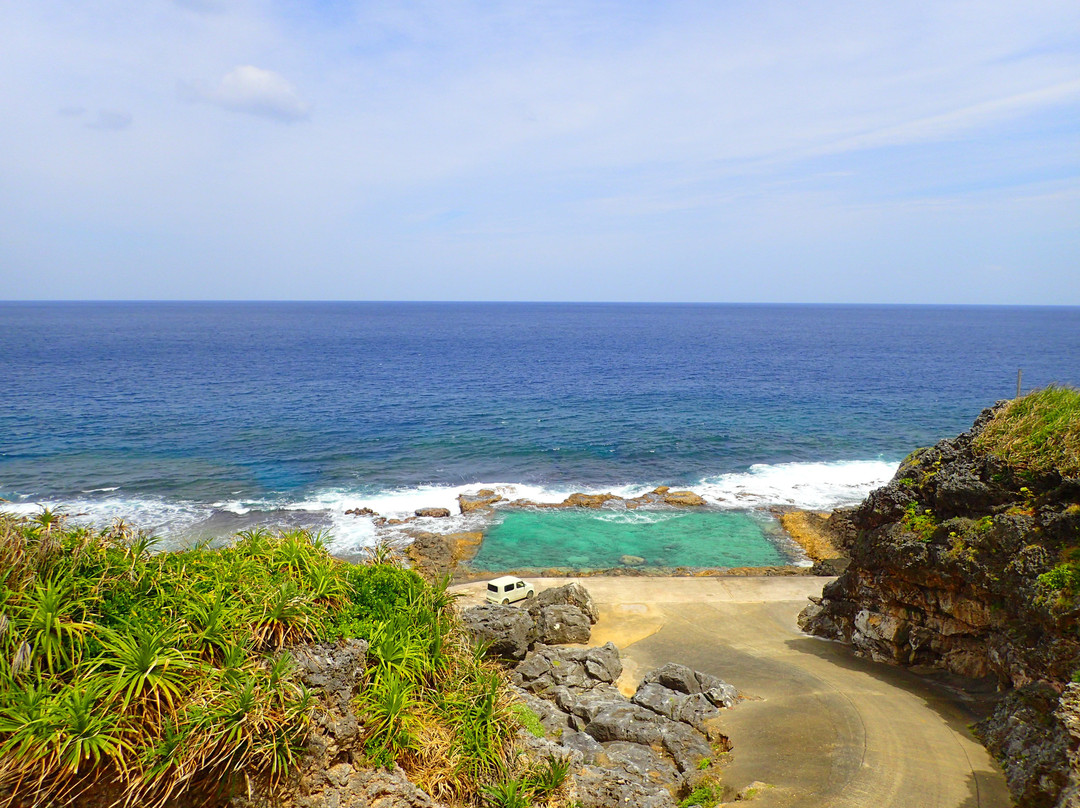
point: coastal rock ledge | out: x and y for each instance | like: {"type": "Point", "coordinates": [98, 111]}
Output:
{"type": "Point", "coordinates": [961, 564]}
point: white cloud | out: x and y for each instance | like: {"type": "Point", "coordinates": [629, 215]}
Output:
{"type": "Point", "coordinates": [255, 91]}
{"type": "Point", "coordinates": [111, 119]}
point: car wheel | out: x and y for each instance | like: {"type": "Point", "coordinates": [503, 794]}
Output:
{"type": "Point", "coordinates": [528, 594]}
{"type": "Point", "coordinates": [506, 601]}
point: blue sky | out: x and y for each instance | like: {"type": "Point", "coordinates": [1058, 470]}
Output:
{"type": "Point", "coordinates": [684, 151]}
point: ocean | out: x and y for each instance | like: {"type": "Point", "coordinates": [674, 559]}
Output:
{"type": "Point", "coordinates": [197, 419]}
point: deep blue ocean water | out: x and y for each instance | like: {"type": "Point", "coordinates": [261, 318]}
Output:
{"type": "Point", "coordinates": [180, 414]}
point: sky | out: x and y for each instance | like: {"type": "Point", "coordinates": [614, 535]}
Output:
{"type": "Point", "coordinates": [758, 151]}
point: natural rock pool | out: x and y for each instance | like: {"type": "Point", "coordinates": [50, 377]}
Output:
{"type": "Point", "coordinates": [580, 540]}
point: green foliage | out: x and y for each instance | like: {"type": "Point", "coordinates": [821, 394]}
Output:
{"type": "Point", "coordinates": [920, 521]}
{"type": "Point", "coordinates": [528, 719]}
{"type": "Point", "coordinates": [1065, 576]}
{"type": "Point", "coordinates": [1039, 432]}
{"type": "Point", "coordinates": [706, 795]}
{"type": "Point", "coordinates": [162, 677]}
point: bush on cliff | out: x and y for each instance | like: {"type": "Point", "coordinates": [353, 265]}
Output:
{"type": "Point", "coordinates": [1039, 432]}
{"type": "Point", "coordinates": [147, 678]}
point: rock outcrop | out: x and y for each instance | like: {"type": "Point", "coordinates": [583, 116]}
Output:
{"type": "Point", "coordinates": [435, 555]}
{"type": "Point", "coordinates": [556, 616]}
{"type": "Point", "coordinates": [944, 573]}
{"type": "Point", "coordinates": [485, 498]}
{"type": "Point", "coordinates": [648, 750]}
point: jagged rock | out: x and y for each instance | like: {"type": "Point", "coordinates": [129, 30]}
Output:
{"type": "Point", "coordinates": [346, 786]}
{"type": "Point", "coordinates": [589, 748]}
{"type": "Point", "coordinates": [430, 555]}
{"type": "Point", "coordinates": [547, 667]}
{"type": "Point", "coordinates": [638, 762]}
{"type": "Point", "coordinates": [595, 787]}
{"type": "Point", "coordinates": [587, 500]}
{"type": "Point", "coordinates": [683, 499]}
{"type": "Point", "coordinates": [945, 562]}
{"type": "Point", "coordinates": [361, 512]}
{"type": "Point", "coordinates": [682, 679]}
{"type": "Point", "coordinates": [433, 512]}
{"type": "Point", "coordinates": [660, 700]}
{"type": "Point", "coordinates": [1035, 746]}
{"type": "Point", "coordinates": [334, 668]}
{"type": "Point", "coordinates": [573, 594]}
{"type": "Point", "coordinates": [562, 624]}
{"type": "Point", "coordinates": [624, 721]}
{"type": "Point", "coordinates": [508, 631]}
{"type": "Point", "coordinates": [481, 500]}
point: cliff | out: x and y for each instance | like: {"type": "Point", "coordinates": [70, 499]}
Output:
{"type": "Point", "coordinates": [966, 561]}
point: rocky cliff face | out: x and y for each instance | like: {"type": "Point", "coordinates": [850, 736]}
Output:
{"type": "Point", "coordinates": [945, 566]}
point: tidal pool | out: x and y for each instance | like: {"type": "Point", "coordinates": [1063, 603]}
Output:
{"type": "Point", "coordinates": [588, 540]}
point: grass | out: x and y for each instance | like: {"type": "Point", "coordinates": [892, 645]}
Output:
{"type": "Point", "coordinates": [1039, 432]}
{"type": "Point", "coordinates": [148, 679]}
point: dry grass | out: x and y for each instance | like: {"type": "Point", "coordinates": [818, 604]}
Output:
{"type": "Point", "coordinates": [1039, 432]}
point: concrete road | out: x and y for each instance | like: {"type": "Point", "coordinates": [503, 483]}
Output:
{"type": "Point", "coordinates": [821, 727]}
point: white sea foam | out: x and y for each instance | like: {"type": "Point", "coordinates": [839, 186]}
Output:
{"type": "Point", "coordinates": [811, 486]}
{"type": "Point", "coordinates": [817, 486]}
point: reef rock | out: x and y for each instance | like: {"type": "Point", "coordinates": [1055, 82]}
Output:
{"type": "Point", "coordinates": [481, 500]}
{"type": "Point", "coordinates": [433, 513]}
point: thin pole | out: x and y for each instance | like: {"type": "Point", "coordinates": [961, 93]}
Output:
{"type": "Point", "coordinates": [1019, 375]}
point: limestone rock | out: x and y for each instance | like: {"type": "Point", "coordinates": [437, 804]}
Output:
{"type": "Point", "coordinates": [433, 512]}
{"type": "Point", "coordinates": [573, 594]}
{"type": "Point", "coordinates": [944, 570]}
{"type": "Point", "coordinates": [587, 500]}
{"type": "Point", "coordinates": [683, 499]}
{"type": "Point", "coordinates": [508, 631]}
{"type": "Point", "coordinates": [558, 625]}
{"type": "Point", "coordinates": [482, 499]}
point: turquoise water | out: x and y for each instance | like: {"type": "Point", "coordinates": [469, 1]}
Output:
{"type": "Point", "coordinates": [584, 540]}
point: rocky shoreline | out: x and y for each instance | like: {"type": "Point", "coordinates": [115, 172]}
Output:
{"type": "Point", "coordinates": [945, 574]}
{"type": "Point", "coordinates": [437, 554]}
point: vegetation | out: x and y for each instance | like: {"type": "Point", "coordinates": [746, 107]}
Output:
{"type": "Point", "coordinates": [142, 677]}
{"type": "Point", "coordinates": [920, 521]}
{"type": "Point", "coordinates": [706, 795]}
{"type": "Point", "coordinates": [1039, 432]}
{"type": "Point", "coordinates": [1065, 576]}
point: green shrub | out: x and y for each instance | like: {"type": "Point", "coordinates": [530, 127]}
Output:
{"type": "Point", "coordinates": [1039, 432]}
{"type": "Point", "coordinates": [163, 677]}
{"type": "Point", "coordinates": [920, 521]}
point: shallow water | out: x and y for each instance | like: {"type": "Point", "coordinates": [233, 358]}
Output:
{"type": "Point", "coordinates": [662, 539]}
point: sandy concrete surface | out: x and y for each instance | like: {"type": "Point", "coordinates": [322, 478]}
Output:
{"type": "Point", "coordinates": [823, 728]}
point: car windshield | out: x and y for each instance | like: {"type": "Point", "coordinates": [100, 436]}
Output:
{"type": "Point", "coordinates": [492, 588]}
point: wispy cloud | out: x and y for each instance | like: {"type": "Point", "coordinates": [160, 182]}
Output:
{"type": "Point", "coordinates": [580, 143]}
{"type": "Point", "coordinates": [251, 90]}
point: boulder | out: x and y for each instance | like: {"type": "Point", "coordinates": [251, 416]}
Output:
{"type": "Point", "coordinates": [684, 680]}
{"type": "Point", "coordinates": [631, 560]}
{"type": "Point", "coordinates": [481, 500]}
{"type": "Point", "coordinates": [587, 500]}
{"type": "Point", "coordinates": [557, 625]}
{"type": "Point", "coordinates": [509, 632]}
{"type": "Point", "coordinates": [683, 499]}
{"type": "Point", "coordinates": [573, 594]}
{"type": "Point", "coordinates": [433, 513]}
{"type": "Point", "coordinates": [430, 555]}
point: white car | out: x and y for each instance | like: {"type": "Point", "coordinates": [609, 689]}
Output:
{"type": "Point", "coordinates": [508, 589]}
